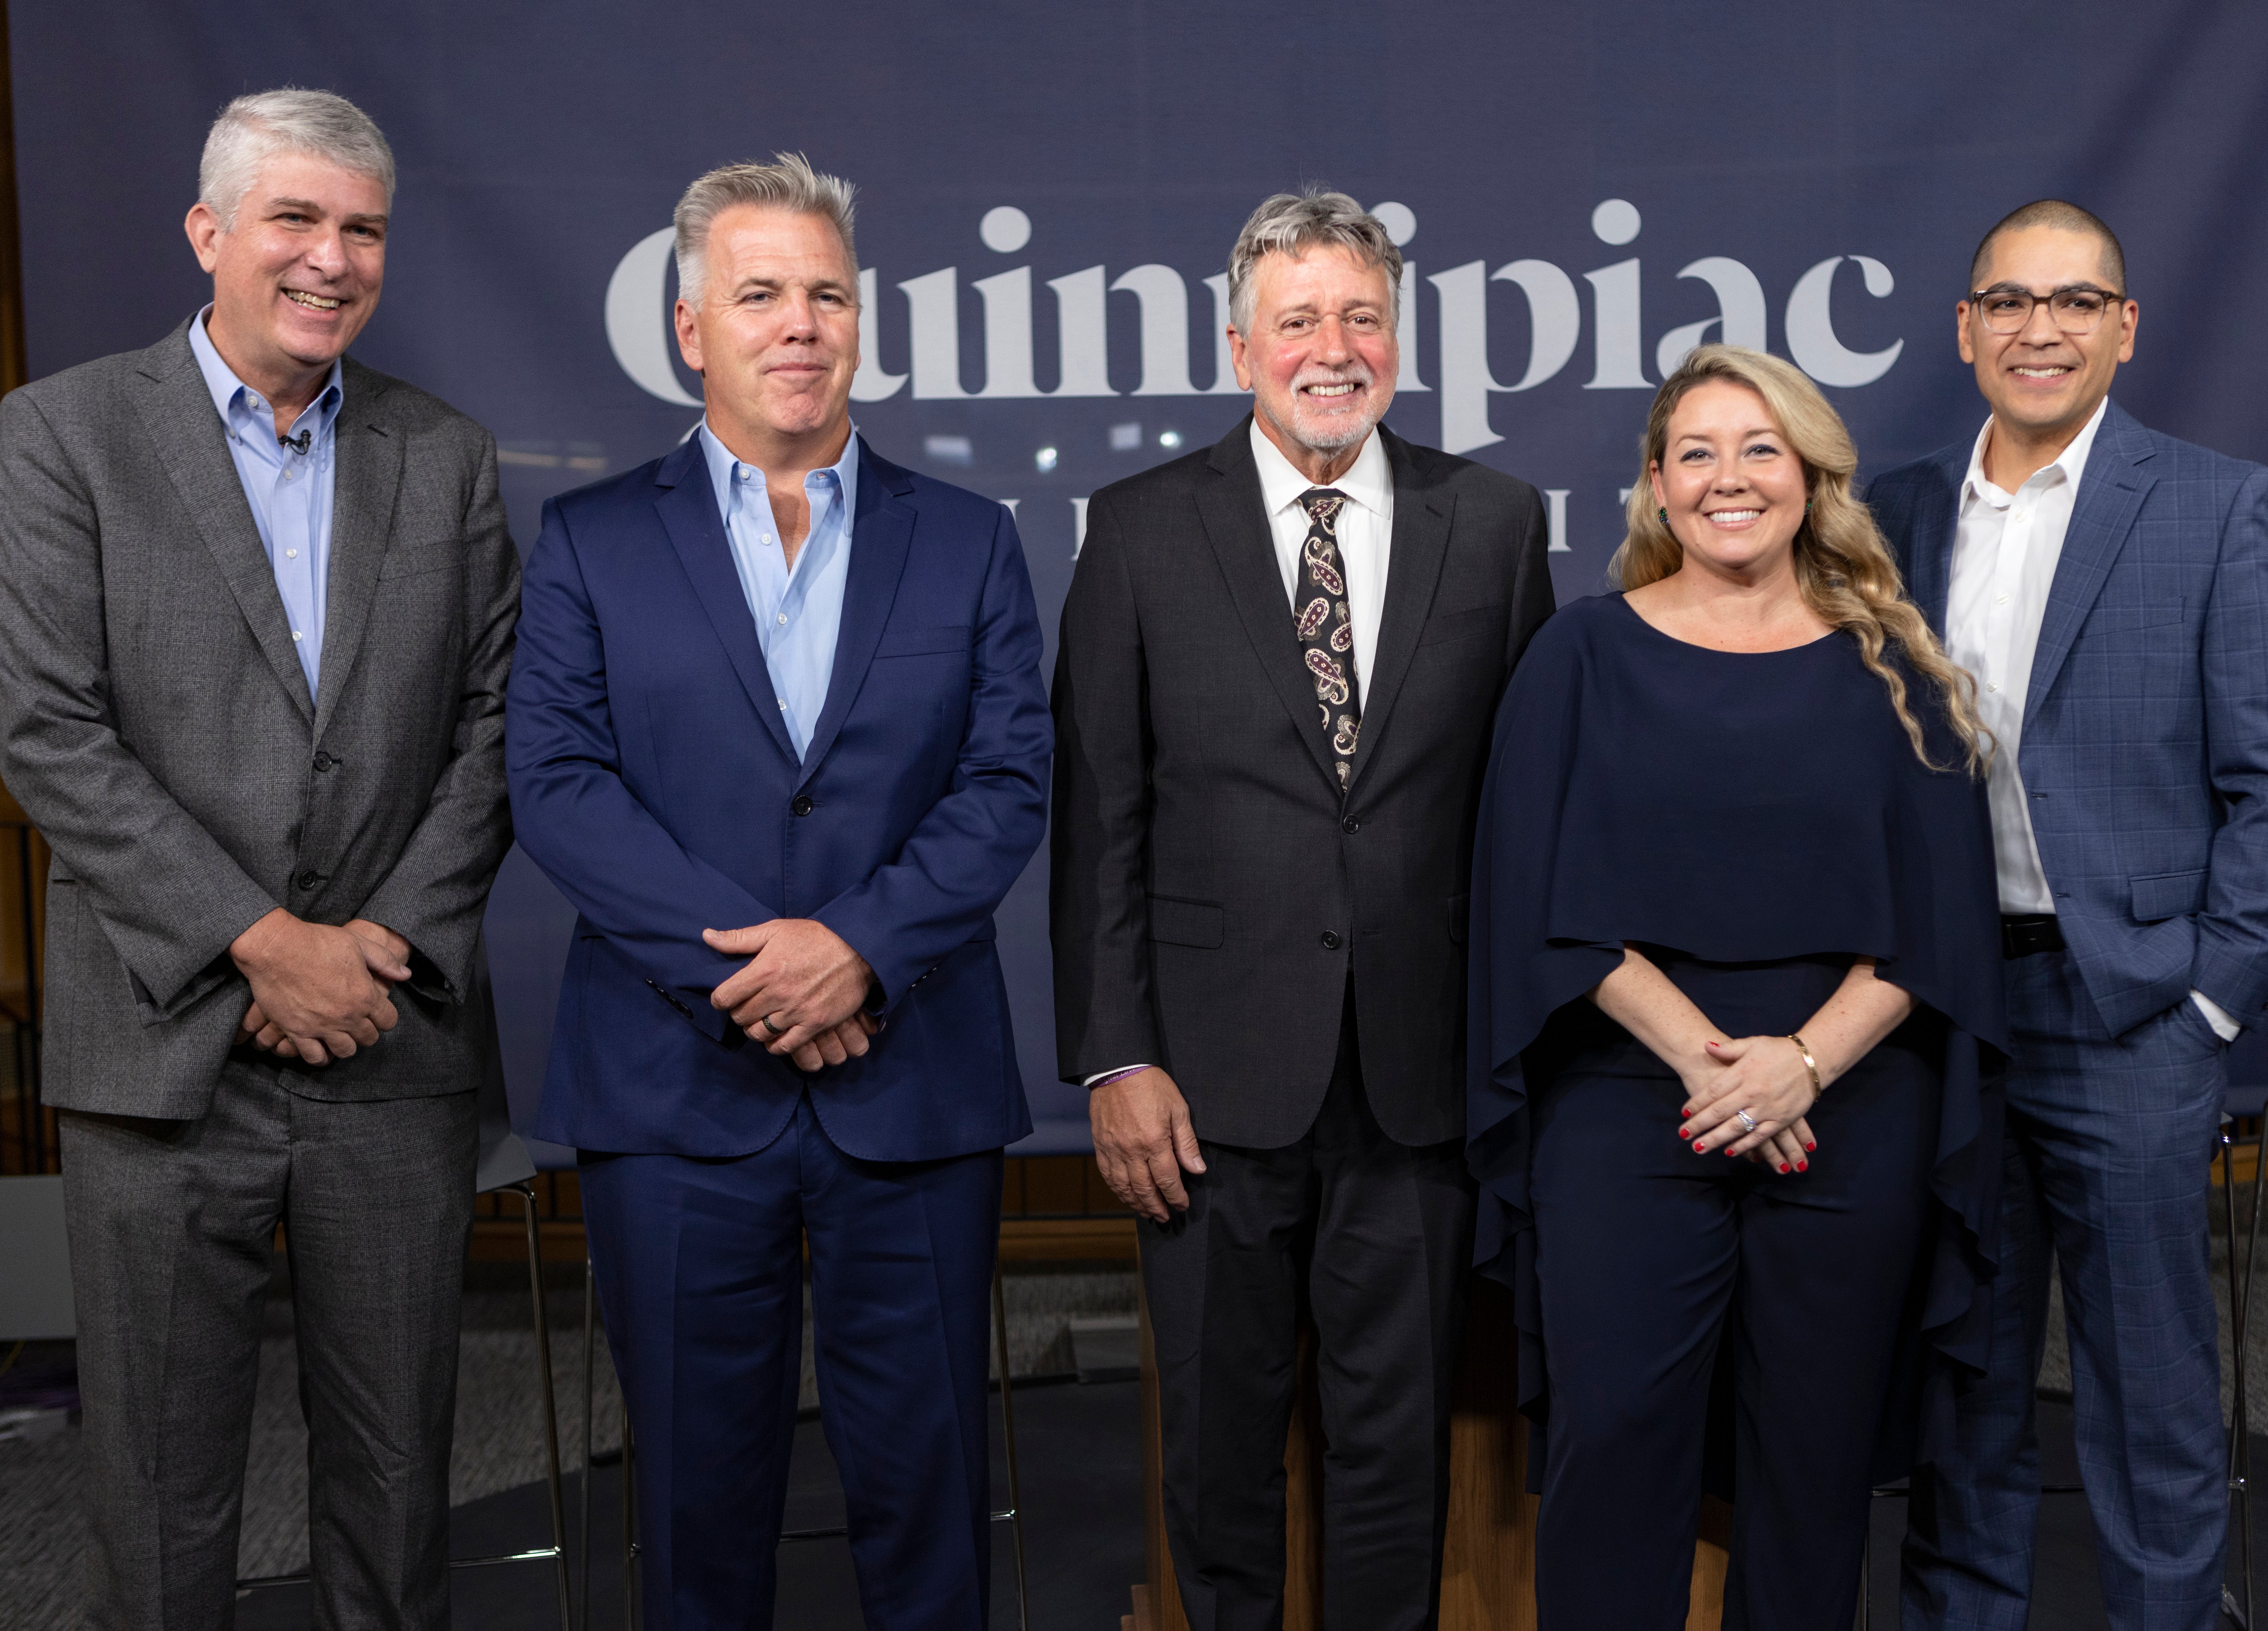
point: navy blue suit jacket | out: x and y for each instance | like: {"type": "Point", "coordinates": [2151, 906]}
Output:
{"type": "Point", "coordinates": [653, 781]}
{"type": "Point", "coordinates": [2145, 749]}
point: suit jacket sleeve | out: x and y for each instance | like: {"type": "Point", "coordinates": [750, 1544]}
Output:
{"type": "Point", "coordinates": [1533, 598]}
{"type": "Point", "coordinates": [169, 897]}
{"type": "Point", "coordinates": [963, 856]}
{"type": "Point", "coordinates": [1106, 1016]}
{"type": "Point", "coordinates": [576, 818]}
{"type": "Point", "coordinates": [439, 887]}
{"type": "Point", "coordinates": [2231, 964]}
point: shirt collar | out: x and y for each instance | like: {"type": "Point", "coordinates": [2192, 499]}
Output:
{"type": "Point", "coordinates": [1369, 481]}
{"type": "Point", "coordinates": [227, 390]}
{"type": "Point", "coordinates": [723, 468]}
{"type": "Point", "coordinates": [2071, 462]}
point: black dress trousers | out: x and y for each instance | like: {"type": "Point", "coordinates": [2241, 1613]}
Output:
{"type": "Point", "coordinates": [1373, 1239]}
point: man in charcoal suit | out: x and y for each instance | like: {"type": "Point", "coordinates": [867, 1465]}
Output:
{"type": "Point", "coordinates": [256, 609]}
{"type": "Point", "coordinates": [1281, 658]}
{"type": "Point", "coordinates": [2107, 588]}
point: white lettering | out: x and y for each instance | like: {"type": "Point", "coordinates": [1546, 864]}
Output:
{"type": "Point", "coordinates": [1740, 312]}
{"type": "Point", "coordinates": [933, 314]}
{"type": "Point", "coordinates": [1077, 527]}
{"type": "Point", "coordinates": [1165, 302]}
{"type": "Point", "coordinates": [1613, 332]}
{"type": "Point", "coordinates": [1556, 514]}
{"type": "Point", "coordinates": [1082, 339]}
{"type": "Point", "coordinates": [870, 384]}
{"type": "Point", "coordinates": [1224, 370]}
{"type": "Point", "coordinates": [1555, 322]}
{"type": "Point", "coordinates": [635, 300]}
{"type": "Point", "coordinates": [1811, 339]}
{"type": "Point", "coordinates": [1007, 333]}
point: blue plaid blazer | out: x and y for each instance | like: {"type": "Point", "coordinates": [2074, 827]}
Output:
{"type": "Point", "coordinates": [2145, 749]}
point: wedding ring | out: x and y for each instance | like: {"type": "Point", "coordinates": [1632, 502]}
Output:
{"type": "Point", "coordinates": [766, 1021]}
{"type": "Point", "coordinates": [1748, 1122]}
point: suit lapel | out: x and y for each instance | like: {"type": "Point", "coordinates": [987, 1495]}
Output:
{"type": "Point", "coordinates": [688, 507]}
{"type": "Point", "coordinates": [2101, 517]}
{"type": "Point", "coordinates": [881, 535]}
{"type": "Point", "coordinates": [191, 447]}
{"type": "Point", "coordinates": [1237, 526]}
{"type": "Point", "coordinates": [1930, 532]}
{"type": "Point", "coordinates": [367, 476]}
{"type": "Point", "coordinates": [1415, 551]}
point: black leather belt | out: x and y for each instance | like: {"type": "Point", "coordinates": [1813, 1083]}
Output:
{"type": "Point", "coordinates": [2023, 934]}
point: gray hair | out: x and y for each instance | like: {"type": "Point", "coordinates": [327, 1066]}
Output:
{"type": "Point", "coordinates": [1294, 223]}
{"type": "Point", "coordinates": [253, 129]}
{"type": "Point", "coordinates": [788, 182]}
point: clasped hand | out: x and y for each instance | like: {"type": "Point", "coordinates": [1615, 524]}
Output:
{"type": "Point", "coordinates": [318, 993]}
{"type": "Point", "coordinates": [1766, 1077]}
{"type": "Point", "coordinates": [802, 994]}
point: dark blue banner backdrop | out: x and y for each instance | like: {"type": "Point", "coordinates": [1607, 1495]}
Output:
{"type": "Point", "coordinates": [1048, 196]}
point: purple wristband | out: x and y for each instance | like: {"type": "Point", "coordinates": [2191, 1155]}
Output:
{"type": "Point", "coordinates": [1115, 1076]}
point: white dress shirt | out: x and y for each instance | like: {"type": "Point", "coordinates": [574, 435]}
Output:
{"type": "Point", "coordinates": [1365, 534]}
{"type": "Point", "coordinates": [2005, 548]}
{"type": "Point", "coordinates": [1366, 540]}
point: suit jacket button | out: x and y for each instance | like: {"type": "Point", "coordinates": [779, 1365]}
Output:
{"type": "Point", "coordinates": [324, 761]}
{"type": "Point", "coordinates": [1330, 939]}
{"type": "Point", "coordinates": [309, 879]}
{"type": "Point", "coordinates": [802, 805]}
{"type": "Point", "coordinates": [1352, 824]}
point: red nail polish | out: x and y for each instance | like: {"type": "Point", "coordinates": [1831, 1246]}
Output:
{"type": "Point", "coordinates": [1810, 1146]}
{"type": "Point", "coordinates": [1685, 1133]}
{"type": "Point", "coordinates": [1700, 1149]}
{"type": "Point", "coordinates": [1803, 1166]}
{"type": "Point", "coordinates": [1728, 1152]}
{"type": "Point", "coordinates": [1782, 1166]}
{"type": "Point", "coordinates": [1684, 1114]}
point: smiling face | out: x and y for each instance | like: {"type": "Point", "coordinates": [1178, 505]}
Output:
{"type": "Point", "coordinates": [297, 274]}
{"type": "Point", "coordinates": [2042, 382]}
{"type": "Point", "coordinates": [1734, 487]}
{"type": "Point", "coordinates": [775, 337]}
{"type": "Point", "coordinates": [1322, 358]}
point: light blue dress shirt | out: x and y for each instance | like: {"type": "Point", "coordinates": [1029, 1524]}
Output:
{"type": "Point", "coordinates": [799, 611]}
{"type": "Point", "coordinates": [289, 491]}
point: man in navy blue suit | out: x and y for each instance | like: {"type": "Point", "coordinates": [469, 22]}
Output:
{"type": "Point", "coordinates": [776, 729]}
{"type": "Point", "coordinates": [2107, 588]}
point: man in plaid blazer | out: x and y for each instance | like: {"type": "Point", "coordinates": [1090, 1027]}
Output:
{"type": "Point", "coordinates": [2107, 588]}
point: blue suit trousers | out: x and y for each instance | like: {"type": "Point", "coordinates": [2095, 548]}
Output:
{"type": "Point", "coordinates": [2108, 1153]}
{"type": "Point", "coordinates": [700, 1275]}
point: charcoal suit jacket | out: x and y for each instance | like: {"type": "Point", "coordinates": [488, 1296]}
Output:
{"type": "Point", "coordinates": [1212, 889]}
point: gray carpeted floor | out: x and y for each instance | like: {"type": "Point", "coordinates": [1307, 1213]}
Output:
{"type": "Point", "coordinates": [499, 1444]}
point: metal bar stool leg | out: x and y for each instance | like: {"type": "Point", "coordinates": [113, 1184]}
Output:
{"type": "Point", "coordinates": [1015, 1512]}
{"type": "Point", "coordinates": [527, 1193]}
{"type": "Point", "coordinates": [590, 1386]}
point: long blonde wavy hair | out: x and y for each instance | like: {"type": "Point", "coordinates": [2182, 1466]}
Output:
{"type": "Point", "coordinates": [1843, 567]}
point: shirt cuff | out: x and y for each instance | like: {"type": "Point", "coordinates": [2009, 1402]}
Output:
{"type": "Point", "coordinates": [1102, 1076]}
{"type": "Point", "coordinates": [2223, 1024]}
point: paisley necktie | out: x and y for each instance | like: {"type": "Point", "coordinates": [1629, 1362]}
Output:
{"type": "Point", "coordinates": [1326, 630]}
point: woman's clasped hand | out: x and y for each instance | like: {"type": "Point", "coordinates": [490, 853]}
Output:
{"type": "Point", "coordinates": [1765, 1077]}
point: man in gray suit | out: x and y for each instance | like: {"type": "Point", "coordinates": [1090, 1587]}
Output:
{"type": "Point", "coordinates": [256, 609]}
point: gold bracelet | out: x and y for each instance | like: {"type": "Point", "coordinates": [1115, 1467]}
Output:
{"type": "Point", "coordinates": [1809, 1064]}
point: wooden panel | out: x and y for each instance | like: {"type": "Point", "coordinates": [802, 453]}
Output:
{"type": "Point", "coordinates": [1054, 1183]}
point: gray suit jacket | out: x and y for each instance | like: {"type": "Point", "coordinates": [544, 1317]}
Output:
{"type": "Point", "coordinates": [156, 725]}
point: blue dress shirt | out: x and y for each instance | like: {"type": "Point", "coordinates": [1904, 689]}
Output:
{"type": "Point", "coordinates": [289, 491]}
{"type": "Point", "coordinates": [798, 611]}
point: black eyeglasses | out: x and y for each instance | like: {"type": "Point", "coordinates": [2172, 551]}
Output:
{"type": "Point", "coordinates": [2077, 309]}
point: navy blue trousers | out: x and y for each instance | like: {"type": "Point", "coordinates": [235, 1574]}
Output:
{"type": "Point", "coordinates": [1644, 1251]}
{"type": "Point", "coordinates": [2107, 1173]}
{"type": "Point", "coordinates": [701, 1274]}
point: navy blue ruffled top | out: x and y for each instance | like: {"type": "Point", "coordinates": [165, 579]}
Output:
{"type": "Point", "coordinates": [1733, 808]}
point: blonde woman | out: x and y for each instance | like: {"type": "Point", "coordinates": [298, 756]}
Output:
{"type": "Point", "coordinates": [1735, 990]}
